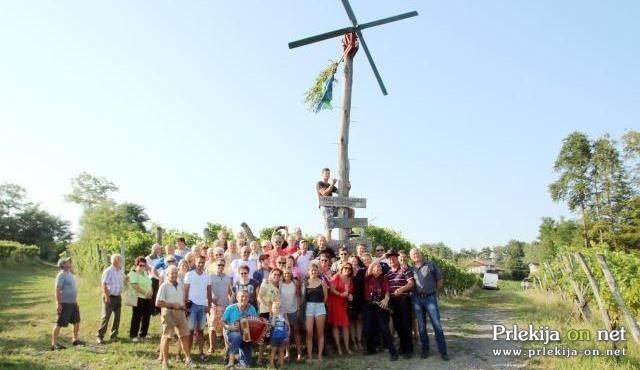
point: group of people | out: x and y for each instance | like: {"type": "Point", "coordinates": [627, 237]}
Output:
{"type": "Point", "coordinates": [296, 290]}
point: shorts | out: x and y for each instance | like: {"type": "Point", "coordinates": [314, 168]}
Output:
{"type": "Point", "coordinates": [315, 309]}
{"type": "Point", "coordinates": [70, 313]}
{"type": "Point", "coordinates": [280, 342]}
{"type": "Point", "coordinates": [173, 319]}
{"type": "Point", "coordinates": [294, 319]}
{"type": "Point", "coordinates": [197, 317]}
{"type": "Point", "coordinates": [214, 319]}
{"type": "Point", "coordinates": [327, 213]}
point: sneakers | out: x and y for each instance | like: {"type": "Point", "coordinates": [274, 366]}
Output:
{"type": "Point", "coordinates": [135, 339]}
{"type": "Point", "coordinates": [407, 355]}
{"type": "Point", "coordinates": [424, 354]}
{"type": "Point", "coordinates": [445, 357]}
{"type": "Point", "coordinates": [78, 343]}
{"type": "Point", "coordinates": [57, 346]}
{"type": "Point", "coordinates": [100, 341]}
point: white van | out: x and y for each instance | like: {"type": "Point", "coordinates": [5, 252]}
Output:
{"type": "Point", "coordinates": [490, 279]}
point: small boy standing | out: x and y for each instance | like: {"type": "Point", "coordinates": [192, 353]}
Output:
{"type": "Point", "coordinates": [279, 334]}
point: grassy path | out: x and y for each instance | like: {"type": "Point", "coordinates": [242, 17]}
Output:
{"type": "Point", "coordinates": [27, 314]}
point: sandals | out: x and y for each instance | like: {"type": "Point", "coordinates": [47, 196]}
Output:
{"type": "Point", "coordinates": [57, 346]}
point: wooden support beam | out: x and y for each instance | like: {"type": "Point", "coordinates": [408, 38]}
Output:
{"type": "Point", "coordinates": [596, 291]}
{"type": "Point", "coordinates": [631, 322]}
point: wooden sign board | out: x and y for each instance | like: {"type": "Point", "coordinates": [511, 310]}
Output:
{"type": "Point", "coordinates": [343, 202]}
{"type": "Point", "coordinates": [351, 244]}
{"type": "Point", "coordinates": [347, 223]}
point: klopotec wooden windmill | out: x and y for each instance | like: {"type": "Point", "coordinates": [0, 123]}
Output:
{"type": "Point", "coordinates": [350, 43]}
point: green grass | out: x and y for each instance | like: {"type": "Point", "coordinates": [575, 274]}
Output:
{"type": "Point", "coordinates": [27, 315]}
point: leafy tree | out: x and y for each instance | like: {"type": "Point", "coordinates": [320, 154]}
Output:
{"type": "Point", "coordinates": [553, 235]}
{"type": "Point", "coordinates": [214, 228]}
{"type": "Point", "coordinates": [24, 222]}
{"type": "Point", "coordinates": [38, 227]}
{"type": "Point", "coordinates": [265, 234]}
{"type": "Point", "coordinates": [12, 198]}
{"type": "Point", "coordinates": [630, 231]}
{"type": "Point", "coordinates": [533, 252]}
{"type": "Point", "coordinates": [611, 189]}
{"type": "Point", "coordinates": [109, 218]}
{"type": "Point", "coordinates": [631, 145]}
{"type": "Point", "coordinates": [574, 184]}
{"type": "Point", "coordinates": [485, 253]}
{"type": "Point", "coordinates": [439, 250]}
{"type": "Point", "coordinates": [514, 262]}
{"type": "Point", "coordinates": [89, 190]}
{"type": "Point", "coordinates": [134, 214]}
{"type": "Point", "coordinates": [171, 237]}
{"type": "Point", "coordinates": [388, 238]}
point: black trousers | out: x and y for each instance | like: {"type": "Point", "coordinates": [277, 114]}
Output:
{"type": "Point", "coordinates": [376, 320]}
{"type": "Point", "coordinates": [155, 285]}
{"type": "Point", "coordinates": [140, 318]}
{"type": "Point", "coordinates": [402, 321]}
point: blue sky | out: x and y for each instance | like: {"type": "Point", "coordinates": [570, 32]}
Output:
{"type": "Point", "coordinates": [195, 108]}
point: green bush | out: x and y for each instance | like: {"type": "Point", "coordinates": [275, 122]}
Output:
{"type": "Point", "coordinates": [10, 250]}
{"type": "Point", "coordinates": [90, 258]}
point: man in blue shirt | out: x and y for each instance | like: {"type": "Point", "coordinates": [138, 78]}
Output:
{"type": "Point", "coordinates": [428, 279]}
{"type": "Point", "coordinates": [231, 319]}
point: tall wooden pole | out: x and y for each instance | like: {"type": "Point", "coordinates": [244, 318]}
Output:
{"type": "Point", "coordinates": [350, 47]}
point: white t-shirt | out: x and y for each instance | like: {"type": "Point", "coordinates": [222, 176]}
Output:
{"type": "Point", "coordinates": [303, 262]}
{"type": "Point", "coordinates": [197, 286]}
{"type": "Point", "coordinates": [235, 264]}
{"type": "Point", "coordinates": [182, 252]}
{"type": "Point", "coordinates": [288, 297]}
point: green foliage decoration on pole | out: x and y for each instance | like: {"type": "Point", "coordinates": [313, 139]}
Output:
{"type": "Point", "coordinates": [313, 96]}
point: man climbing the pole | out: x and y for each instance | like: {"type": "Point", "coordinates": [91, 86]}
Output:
{"type": "Point", "coordinates": [326, 188]}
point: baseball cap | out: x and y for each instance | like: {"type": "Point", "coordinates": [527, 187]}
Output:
{"type": "Point", "coordinates": [62, 261]}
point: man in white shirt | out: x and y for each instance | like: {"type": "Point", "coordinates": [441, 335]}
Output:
{"type": "Point", "coordinates": [197, 297]}
{"type": "Point", "coordinates": [171, 300]}
{"type": "Point", "coordinates": [244, 260]}
{"type": "Point", "coordinates": [112, 284]}
{"type": "Point", "coordinates": [303, 256]}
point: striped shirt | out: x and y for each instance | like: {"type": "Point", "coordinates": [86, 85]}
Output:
{"type": "Point", "coordinates": [398, 279]}
{"type": "Point", "coordinates": [114, 278]}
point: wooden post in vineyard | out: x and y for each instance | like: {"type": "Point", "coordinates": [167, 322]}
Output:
{"type": "Point", "coordinates": [123, 250]}
{"type": "Point", "coordinates": [205, 235]}
{"type": "Point", "coordinates": [158, 235]}
{"type": "Point", "coordinates": [631, 322]}
{"type": "Point", "coordinates": [581, 302]}
{"type": "Point", "coordinates": [553, 277]}
{"type": "Point", "coordinates": [596, 291]}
